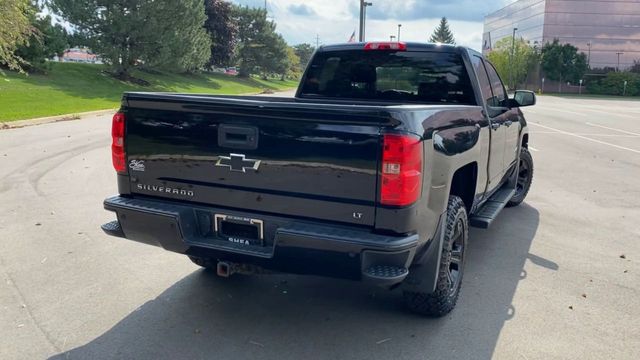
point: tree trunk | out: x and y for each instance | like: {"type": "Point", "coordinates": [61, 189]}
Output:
{"type": "Point", "coordinates": [122, 62]}
{"type": "Point", "coordinates": [243, 73]}
{"type": "Point", "coordinates": [560, 86]}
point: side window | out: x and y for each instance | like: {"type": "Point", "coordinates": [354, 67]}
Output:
{"type": "Point", "coordinates": [483, 78]}
{"type": "Point", "coordinates": [500, 95]}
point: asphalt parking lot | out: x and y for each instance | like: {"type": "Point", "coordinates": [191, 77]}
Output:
{"type": "Point", "coordinates": [557, 278]}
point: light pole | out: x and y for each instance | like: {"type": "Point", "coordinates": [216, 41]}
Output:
{"type": "Point", "coordinates": [399, 27]}
{"type": "Point", "coordinates": [538, 52]}
{"type": "Point", "coordinates": [361, 27]}
{"type": "Point", "coordinates": [618, 67]}
{"type": "Point", "coordinates": [363, 17]}
{"type": "Point", "coordinates": [624, 90]}
{"type": "Point", "coordinates": [364, 21]}
{"type": "Point", "coordinates": [392, 37]}
{"type": "Point", "coordinates": [513, 49]}
{"type": "Point", "coordinates": [580, 90]}
{"type": "Point", "coordinates": [589, 56]}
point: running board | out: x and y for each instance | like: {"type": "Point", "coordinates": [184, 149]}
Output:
{"type": "Point", "coordinates": [492, 208]}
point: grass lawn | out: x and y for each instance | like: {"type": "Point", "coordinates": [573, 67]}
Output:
{"type": "Point", "coordinates": [74, 88]}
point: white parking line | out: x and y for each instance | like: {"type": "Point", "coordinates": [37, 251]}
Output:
{"type": "Point", "coordinates": [586, 138]}
{"type": "Point", "coordinates": [587, 134]}
{"type": "Point", "coordinates": [550, 109]}
{"type": "Point", "coordinates": [612, 135]}
{"type": "Point", "coordinates": [614, 129]}
{"type": "Point", "coordinates": [608, 112]}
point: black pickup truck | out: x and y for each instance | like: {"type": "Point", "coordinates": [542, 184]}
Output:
{"type": "Point", "coordinates": [373, 172]}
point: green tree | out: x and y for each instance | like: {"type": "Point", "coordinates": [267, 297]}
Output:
{"type": "Point", "coordinates": [304, 53]}
{"type": "Point", "coordinates": [293, 69]}
{"type": "Point", "coordinates": [635, 68]}
{"type": "Point", "coordinates": [260, 49]}
{"type": "Point", "coordinates": [46, 41]}
{"type": "Point", "coordinates": [513, 69]}
{"type": "Point", "coordinates": [163, 34]}
{"type": "Point", "coordinates": [79, 39]}
{"type": "Point", "coordinates": [275, 60]}
{"type": "Point", "coordinates": [189, 45]}
{"type": "Point", "coordinates": [223, 31]}
{"type": "Point", "coordinates": [15, 31]}
{"type": "Point", "coordinates": [562, 62]}
{"type": "Point", "coordinates": [442, 34]}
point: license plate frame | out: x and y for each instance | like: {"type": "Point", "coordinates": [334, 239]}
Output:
{"type": "Point", "coordinates": [221, 219]}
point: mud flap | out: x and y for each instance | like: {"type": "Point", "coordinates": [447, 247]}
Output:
{"type": "Point", "coordinates": [423, 275]}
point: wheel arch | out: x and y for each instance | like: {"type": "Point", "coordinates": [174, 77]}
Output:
{"type": "Point", "coordinates": [525, 140]}
{"type": "Point", "coordinates": [464, 183]}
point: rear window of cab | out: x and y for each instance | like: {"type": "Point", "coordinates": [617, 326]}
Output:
{"type": "Point", "coordinates": [420, 77]}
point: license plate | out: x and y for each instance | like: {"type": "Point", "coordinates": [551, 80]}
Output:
{"type": "Point", "coordinates": [240, 230]}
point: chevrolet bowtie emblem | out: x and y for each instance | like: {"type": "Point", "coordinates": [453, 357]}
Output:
{"type": "Point", "coordinates": [238, 162]}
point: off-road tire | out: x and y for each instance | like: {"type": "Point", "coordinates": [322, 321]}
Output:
{"type": "Point", "coordinates": [444, 298]}
{"type": "Point", "coordinates": [525, 178]}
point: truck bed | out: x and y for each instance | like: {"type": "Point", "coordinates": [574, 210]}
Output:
{"type": "Point", "coordinates": [270, 155]}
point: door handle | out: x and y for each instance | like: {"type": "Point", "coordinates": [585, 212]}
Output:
{"type": "Point", "coordinates": [508, 123]}
{"type": "Point", "coordinates": [495, 126]}
{"type": "Point", "coordinates": [238, 137]}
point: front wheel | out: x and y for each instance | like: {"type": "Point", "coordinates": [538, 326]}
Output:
{"type": "Point", "coordinates": [525, 178]}
{"type": "Point", "coordinates": [444, 298]}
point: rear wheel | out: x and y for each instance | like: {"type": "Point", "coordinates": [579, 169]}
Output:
{"type": "Point", "coordinates": [452, 259]}
{"type": "Point", "coordinates": [525, 178]}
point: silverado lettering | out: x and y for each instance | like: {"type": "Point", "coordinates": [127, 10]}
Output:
{"type": "Point", "coordinates": [164, 189]}
{"type": "Point", "coordinates": [373, 172]}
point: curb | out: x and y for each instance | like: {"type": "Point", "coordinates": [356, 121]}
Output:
{"type": "Point", "coordinates": [51, 119]}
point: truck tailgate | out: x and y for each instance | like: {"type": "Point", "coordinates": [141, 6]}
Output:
{"type": "Point", "coordinates": [276, 158]}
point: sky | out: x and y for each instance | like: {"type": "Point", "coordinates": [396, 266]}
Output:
{"type": "Point", "coordinates": [333, 21]}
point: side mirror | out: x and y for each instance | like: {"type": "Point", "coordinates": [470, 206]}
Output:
{"type": "Point", "coordinates": [524, 98]}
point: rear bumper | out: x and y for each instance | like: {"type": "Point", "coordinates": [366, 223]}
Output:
{"type": "Point", "coordinates": [291, 245]}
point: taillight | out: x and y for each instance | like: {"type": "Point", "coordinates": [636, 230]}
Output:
{"type": "Point", "coordinates": [401, 170]}
{"type": "Point", "coordinates": [117, 146]}
{"type": "Point", "coordinates": [394, 46]}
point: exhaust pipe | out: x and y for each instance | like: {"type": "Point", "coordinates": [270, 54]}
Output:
{"type": "Point", "coordinates": [224, 269]}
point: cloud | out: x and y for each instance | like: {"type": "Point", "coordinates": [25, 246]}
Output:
{"type": "Point", "coordinates": [467, 10]}
{"type": "Point", "coordinates": [250, 3]}
{"type": "Point", "coordinates": [334, 21]}
{"type": "Point", "coordinates": [301, 10]}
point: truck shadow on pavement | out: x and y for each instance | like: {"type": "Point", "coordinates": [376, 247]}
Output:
{"type": "Point", "coordinates": [296, 317]}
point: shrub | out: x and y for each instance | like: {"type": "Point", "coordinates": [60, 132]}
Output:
{"type": "Point", "coordinates": [613, 84]}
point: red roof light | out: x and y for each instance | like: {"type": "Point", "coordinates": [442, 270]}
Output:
{"type": "Point", "coordinates": [393, 46]}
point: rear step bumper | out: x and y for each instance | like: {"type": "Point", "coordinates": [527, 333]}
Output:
{"type": "Point", "coordinates": [290, 245]}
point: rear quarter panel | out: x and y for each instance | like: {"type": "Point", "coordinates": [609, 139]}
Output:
{"type": "Point", "coordinates": [453, 138]}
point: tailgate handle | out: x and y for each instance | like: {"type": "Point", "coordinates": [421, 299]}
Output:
{"type": "Point", "coordinates": [238, 137]}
